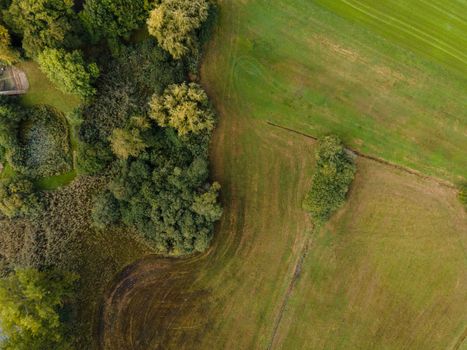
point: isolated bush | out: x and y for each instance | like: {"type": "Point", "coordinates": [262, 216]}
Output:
{"type": "Point", "coordinates": [174, 24]}
{"type": "Point", "coordinates": [30, 306]}
{"type": "Point", "coordinates": [69, 71]}
{"type": "Point", "coordinates": [334, 173]}
{"type": "Point", "coordinates": [43, 24]}
{"type": "Point", "coordinates": [184, 107]}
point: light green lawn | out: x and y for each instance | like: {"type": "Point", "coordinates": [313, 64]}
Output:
{"type": "Point", "coordinates": [296, 64]}
{"type": "Point", "coordinates": [435, 28]}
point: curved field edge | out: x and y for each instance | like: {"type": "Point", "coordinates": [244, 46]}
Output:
{"type": "Point", "coordinates": [229, 297]}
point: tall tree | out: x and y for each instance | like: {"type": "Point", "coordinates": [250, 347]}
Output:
{"type": "Point", "coordinates": [30, 304]}
{"type": "Point", "coordinates": [174, 22]}
{"type": "Point", "coordinates": [110, 19]}
{"type": "Point", "coordinates": [7, 54]}
{"type": "Point", "coordinates": [184, 107]}
{"type": "Point", "coordinates": [42, 24]}
{"type": "Point", "coordinates": [69, 71]}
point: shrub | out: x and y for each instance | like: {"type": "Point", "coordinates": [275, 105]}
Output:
{"type": "Point", "coordinates": [335, 171]}
{"type": "Point", "coordinates": [45, 141]}
{"type": "Point", "coordinates": [30, 305]}
{"type": "Point", "coordinates": [174, 22]}
{"type": "Point", "coordinates": [69, 71]}
{"type": "Point", "coordinates": [185, 108]}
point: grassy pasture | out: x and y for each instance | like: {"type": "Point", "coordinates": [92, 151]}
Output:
{"type": "Point", "coordinates": [436, 29]}
{"type": "Point", "coordinates": [303, 67]}
{"type": "Point", "coordinates": [388, 272]}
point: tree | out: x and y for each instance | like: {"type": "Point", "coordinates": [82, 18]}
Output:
{"type": "Point", "coordinates": [183, 107]}
{"type": "Point", "coordinates": [7, 54]}
{"type": "Point", "coordinates": [335, 171]}
{"type": "Point", "coordinates": [18, 197]}
{"type": "Point", "coordinates": [43, 24]}
{"type": "Point", "coordinates": [30, 304]}
{"type": "Point", "coordinates": [110, 19]}
{"type": "Point", "coordinates": [174, 22]}
{"type": "Point", "coordinates": [69, 71]}
{"type": "Point", "coordinates": [127, 143]}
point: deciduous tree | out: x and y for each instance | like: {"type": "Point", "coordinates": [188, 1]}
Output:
{"type": "Point", "coordinates": [184, 107]}
{"type": "Point", "coordinates": [174, 22]}
{"type": "Point", "coordinates": [30, 301]}
{"type": "Point", "coordinates": [69, 71]}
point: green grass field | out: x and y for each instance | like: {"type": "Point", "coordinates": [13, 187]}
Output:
{"type": "Point", "coordinates": [436, 29]}
{"type": "Point", "coordinates": [301, 66]}
{"type": "Point", "coordinates": [388, 270]}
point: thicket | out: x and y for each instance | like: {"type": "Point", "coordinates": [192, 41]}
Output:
{"type": "Point", "coordinates": [34, 141]}
{"type": "Point", "coordinates": [333, 176]}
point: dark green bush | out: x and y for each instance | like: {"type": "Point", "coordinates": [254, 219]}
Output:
{"type": "Point", "coordinates": [335, 171]}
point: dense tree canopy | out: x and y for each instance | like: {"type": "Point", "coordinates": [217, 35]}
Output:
{"type": "Point", "coordinates": [69, 71]}
{"type": "Point", "coordinates": [109, 19]}
{"type": "Point", "coordinates": [30, 302]}
{"type": "Point", "coordinates": [164, 193]}
{"type": "Point", "coordinates": [335, 171]}
{"type": "Point", "coordinates": [43, 24]}
{"type": "Point", "coordinates": [185, 108]}
{"type": "Point", "coordinates": [174, 22]}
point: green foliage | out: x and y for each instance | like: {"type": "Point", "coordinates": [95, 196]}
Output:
{"type": "Point", "coordinates": [45, 142]}
{"type": "Point", "coordinates": [124, 89]}
{"type": "Point", "coordinates": [127, 143]}
{"type": "Point", "coordinates": [164, 193]}
{"type": "Point", "coordinates": [18, 197]}
{"type": "Point", "coordinates": [174, 24]}
{"type": "Point", "coordinates": [7, 54]}
{"type": "Point", "coordinates": [110, 19]}
{"type": "Point", "coordinates": [185, 108]}
{"type": "Point", "coordinates": [335, 171]}
{"type": "Point", "coordinates": [43, 24]}
{"type": "Point", "coordinates": [69, 71]}
{"type": "Point", "coordinates": [30, 305]}
{"type": "Point", "coordinates": [35, 140]}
